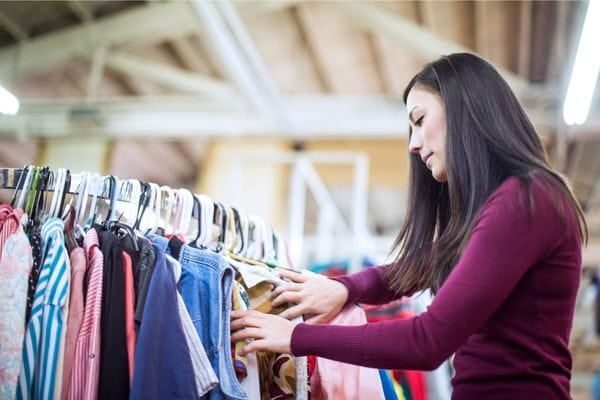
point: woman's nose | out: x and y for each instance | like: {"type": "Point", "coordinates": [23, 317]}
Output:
{"type": "Point", "coordinates": [415, 143]}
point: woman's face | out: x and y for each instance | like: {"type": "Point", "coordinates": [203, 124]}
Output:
{"type": "Point", "coordinates": [427, 118]}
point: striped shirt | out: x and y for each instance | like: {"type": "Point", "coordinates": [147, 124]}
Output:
{"type": "Point", "coordinates": [86, 363]}
{"type": "Point", "coordinates": [40, 376]}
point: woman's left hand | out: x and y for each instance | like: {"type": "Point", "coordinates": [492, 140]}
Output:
{"type": "Point", "coordinates": [270, 332]}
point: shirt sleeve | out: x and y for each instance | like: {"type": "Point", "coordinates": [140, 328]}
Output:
{"type": "Point", "coordinates": [368, 286]}
{"type": "Point", "coordinates": [505, 242]}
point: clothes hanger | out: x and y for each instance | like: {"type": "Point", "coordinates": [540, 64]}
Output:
{"type": "Point", "coordinates": [64, 190]}
{"type": "Point", "coordinates": [58, 185]}
{"type": "Point", "coordinates": [26, 186]}
{"type": "Point", "coordinates": [168, 196]}
{"type": "Point", "coordinates": [39, 202]}
{"type": "Point", "coordinates": [146, 199]}
{"type": "Point", "coordinates": [96, 179]}
{"type": "Point", "coordinates": [222, 224]}
{"type": "Point", "coordinates": [186, 217]}
{"type": "Point", "coordinates": [239, 233]}
{"type": "Point", "coordinates": [19, 185]}
{"type": "Point", "coordinates": [198, 208]}
{"type": "Point", "coordinates": [81, 195]}
{"type": "Point", "coordinates": [32, 193]}
{"type": "Point", "coordinates": [206, 223]}
{"type": "Point", "coordinates": [147, 222]}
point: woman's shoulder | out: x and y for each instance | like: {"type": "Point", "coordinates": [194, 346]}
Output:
{"type": "Point", "coordinates": [537, 196]}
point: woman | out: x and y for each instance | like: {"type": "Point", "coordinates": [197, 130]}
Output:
{"type": "Point", "coordinates": [491, 228]}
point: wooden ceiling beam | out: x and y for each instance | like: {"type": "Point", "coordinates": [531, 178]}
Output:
{"type": "Point", "coordinates": [80, 10]}
{"type": "Point", "coordinates": [11, 27]}
{"type": "Point", "coordinates": [420, 40]}
{"type": "Point", "coordinates": [152, 23]}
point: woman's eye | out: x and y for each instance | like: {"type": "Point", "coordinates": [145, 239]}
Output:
{"type": "Point", "coordinates": [419, 121]}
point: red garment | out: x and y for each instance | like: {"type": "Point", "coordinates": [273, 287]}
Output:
{"type": "Point", "coordinates": [129, 312]}
{"type": "Point", "coordinates": [86, 363]}
{"type": "Point", "coordinates": [10, 222]}
{"type": "Point", "coordinates": [75, 319]}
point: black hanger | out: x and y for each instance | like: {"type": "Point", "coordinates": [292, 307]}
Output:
{"type": "Point", "coordinates": [198, 207]}
{"type": "Point", "coordinates": [112, 183]}
{"type": "Point", "coordinates": [238, 227]}
{"type": "Point", "coordinates": [142, 204]}
{"type": "Point", "coordinates": [65, 190]}
{"type": "Point", "coordinates": [119, 228]}
{"type": "Point", "coordinates": [223, 224]}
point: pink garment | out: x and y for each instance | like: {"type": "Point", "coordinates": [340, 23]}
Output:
{"type": "Point", "coordinates": [15, 265]}
{"type": "Point", "coordinates": [10, 222]}
{"type": "Point", "coordinates": [337, 380]}
{"type": "Point", "coordinates": [86, 363]}
{"type": "Point", "coordinates": [76, 309]}
{"type": "Point", "coordinates": [129, 312]}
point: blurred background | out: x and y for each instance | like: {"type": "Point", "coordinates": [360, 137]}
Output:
{"type": "Point", "coordinates": [289, 110]}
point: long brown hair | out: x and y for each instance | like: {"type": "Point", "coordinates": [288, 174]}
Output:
{"type": "Point", "coordinates": [488, 139]}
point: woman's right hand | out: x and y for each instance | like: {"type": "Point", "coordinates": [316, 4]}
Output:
{"type": "Point", "coordinates": [316, 297]}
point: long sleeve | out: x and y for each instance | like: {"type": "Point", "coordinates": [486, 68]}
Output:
{"type": "Point", "coordinates": [505, 243]}
{"type": "Point", "coordinates": [368, 286]}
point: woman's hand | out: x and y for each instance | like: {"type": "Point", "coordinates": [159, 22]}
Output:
{"type": "Point", "coordinates": [270, 332]}
{"type": "Point", "coordinates": [313, 295]}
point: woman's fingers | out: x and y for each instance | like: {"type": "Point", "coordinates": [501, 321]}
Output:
{"type": "Point", "coordinates": [293, 312]}
{"type": "Point", "coordinates": [247, 333]}
{"type": "Point", "coordinates": [287, 297]}
{"type": "Point", "coordinates": [288, 287]}
{"type": "Point", "coordinates": [292, 276]}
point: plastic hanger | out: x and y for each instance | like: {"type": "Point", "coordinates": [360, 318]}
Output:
{"type": "Point", "coordinates": [96, 179]}
{"type": "Point", "coordinates": [142, 204]}
{"type": "Point", "coordinates": [26, 185]}
{"type": "Point", "coordinates": [168, 196]}
{"type": "Point", "coordinates": [198, 208]}
{"type": "Point", "coordinates": [81, 195]}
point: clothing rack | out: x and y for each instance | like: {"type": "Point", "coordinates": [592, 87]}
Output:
{"type": "Point", "coordinates": [13, 178]}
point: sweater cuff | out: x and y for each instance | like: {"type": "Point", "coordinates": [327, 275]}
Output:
{"type": "Point", "coordinates": [347, 281]}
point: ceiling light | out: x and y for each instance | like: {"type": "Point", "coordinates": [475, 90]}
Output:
{"type": "Point", "coordinates": [9, 104]}
{"type": "Point", "coordinates": [585, 70]}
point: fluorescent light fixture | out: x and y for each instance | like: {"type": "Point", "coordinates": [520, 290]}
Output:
{"type": "Point", "coordinates": [585, 70]}
{"type": "Point", "coordinates": [9, 104]}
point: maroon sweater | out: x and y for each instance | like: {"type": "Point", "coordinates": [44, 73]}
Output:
{"type": "Point", "coordinates": [506, 310]}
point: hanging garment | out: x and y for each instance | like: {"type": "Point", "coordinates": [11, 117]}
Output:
{"type": "Point", "coordinates": [281, 376]}
{"type": "Point", "coordinates": [114, 365]}
{"type": "Point", "coordinates": [205, 286]}
{"type": "Point", "coordinates": [205, 376]}
{"type": "Point", "coordinates": [163, 367]}
{"type": "Point", "coordinates": [41, 373]}
{"type": "Point", "coordinates": [76, 309]}
{"type": "Point", "coordinates": [129, 311]}
{"type": "Point", "coordinates": [35, 240]}
{"type": "Point", "coordinates": [246, 367]}
{"type": "Point", "coordinates": [337, 380]}
{"type": "Point", "coordinates": [10, 223]}
{"type": "Point", "coordinates": [142, 271]}
{"type": "Point", "coordinates": [86, 369]}
{"type": "Point", "coordinates": [15, 266]}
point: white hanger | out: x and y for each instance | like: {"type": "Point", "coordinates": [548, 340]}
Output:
{"type": "Point", "coordinates": [26, 186]}
{"type": "Point", "coordinates": [96, 188]}
{"type": "Point", "coordinates": [169, 197]}
{"type": "Point", "coordinates": [82, 192]}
